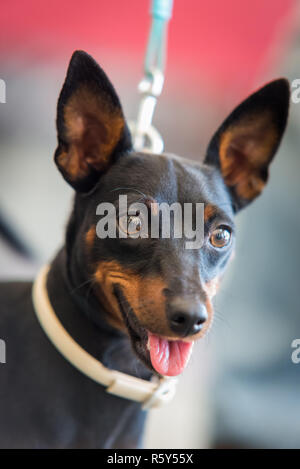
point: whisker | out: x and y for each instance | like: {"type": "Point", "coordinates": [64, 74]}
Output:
{"type": "Point", "coordinates": [81, 285]}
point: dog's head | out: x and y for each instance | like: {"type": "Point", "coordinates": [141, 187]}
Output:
{"type": "Point", "coordinates": [153, 287]}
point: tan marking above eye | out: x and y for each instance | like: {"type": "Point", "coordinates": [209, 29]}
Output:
{"type": "Point", "coordinates": [209, 211]}
{"type": "Point", "coordinates": [90, 236]}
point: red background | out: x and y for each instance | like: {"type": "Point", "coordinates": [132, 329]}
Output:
{"type": "Point", "coordinates": [225, 44]}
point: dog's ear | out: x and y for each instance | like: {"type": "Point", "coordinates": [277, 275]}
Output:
{"type": "Point", "coordinates": [246, 142]}
{"type": "Point", "coordinates": [91, 127]}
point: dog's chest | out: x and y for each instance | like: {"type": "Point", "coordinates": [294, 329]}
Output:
{"type": "Point", "coordinates": [44, 401]}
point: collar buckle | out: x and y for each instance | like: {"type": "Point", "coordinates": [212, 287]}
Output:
{"type": "Point", "coordinates": [163, 393]}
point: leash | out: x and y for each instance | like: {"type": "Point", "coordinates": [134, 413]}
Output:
{"type": "Point", "coordinates": [149, 393]}
{"type": "Point", "coordinates": [145, 136]}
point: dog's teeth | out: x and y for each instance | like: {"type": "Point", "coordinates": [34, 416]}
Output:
{"type": "Point", "coordinates": [148, 344]}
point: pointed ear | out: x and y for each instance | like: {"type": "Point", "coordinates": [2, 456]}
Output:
{"type": "Point", "coordinates": [246, 142]}
{"type": "Point", "coordinates": [91, 127]}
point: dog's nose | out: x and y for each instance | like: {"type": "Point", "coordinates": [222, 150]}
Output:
{"type": "Point", "coordinates": [185, 317]}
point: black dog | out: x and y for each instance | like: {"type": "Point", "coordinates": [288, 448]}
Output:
{"type": "Point", "coordinates": [135, 304]}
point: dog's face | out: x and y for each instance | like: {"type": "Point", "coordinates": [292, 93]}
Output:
{"type": "Point", "coordinates": [154, 288]}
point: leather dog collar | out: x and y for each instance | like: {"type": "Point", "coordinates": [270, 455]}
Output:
{"type": "Point", "coordinates": [150, 393]}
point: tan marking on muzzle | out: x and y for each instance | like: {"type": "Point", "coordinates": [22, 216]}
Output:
{"type": "Point", "coordinates": [144, 294]}
{"type": "Point", "coordinates": [146, 298]}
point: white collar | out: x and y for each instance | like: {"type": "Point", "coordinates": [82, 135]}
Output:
{"type": "Point", "coordinates": [150, 393]}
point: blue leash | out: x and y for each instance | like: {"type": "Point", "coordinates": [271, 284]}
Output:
{"type": "Point", "coordinates": [145, 136]}
{"type": "Point", "coordinates": [161, 11]}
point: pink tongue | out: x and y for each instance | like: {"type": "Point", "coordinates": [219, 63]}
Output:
{"type": "Point", "coordinates": [168, 358]}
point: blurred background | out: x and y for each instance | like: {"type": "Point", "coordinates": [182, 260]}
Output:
{"type": "Point", "coordinates": [241, 388]}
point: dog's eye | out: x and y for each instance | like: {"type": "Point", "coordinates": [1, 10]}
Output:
{"type": "Point", "coordinates": [220, 237]}
{"type": "Point", "coordinates": [130, 224]}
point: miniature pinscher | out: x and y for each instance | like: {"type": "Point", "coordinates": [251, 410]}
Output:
{"type": "Point", "coordinates": [135, 304]}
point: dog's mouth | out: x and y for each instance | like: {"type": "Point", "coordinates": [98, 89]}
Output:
{"type": "Point", "coordinates": [165, 357]}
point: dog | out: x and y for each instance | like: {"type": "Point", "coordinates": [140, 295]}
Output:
{"type": "Point", "coordinates": [135, 305]}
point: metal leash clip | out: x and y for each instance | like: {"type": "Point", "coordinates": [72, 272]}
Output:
{"type": "Point", "coordinates": [145, 136]}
